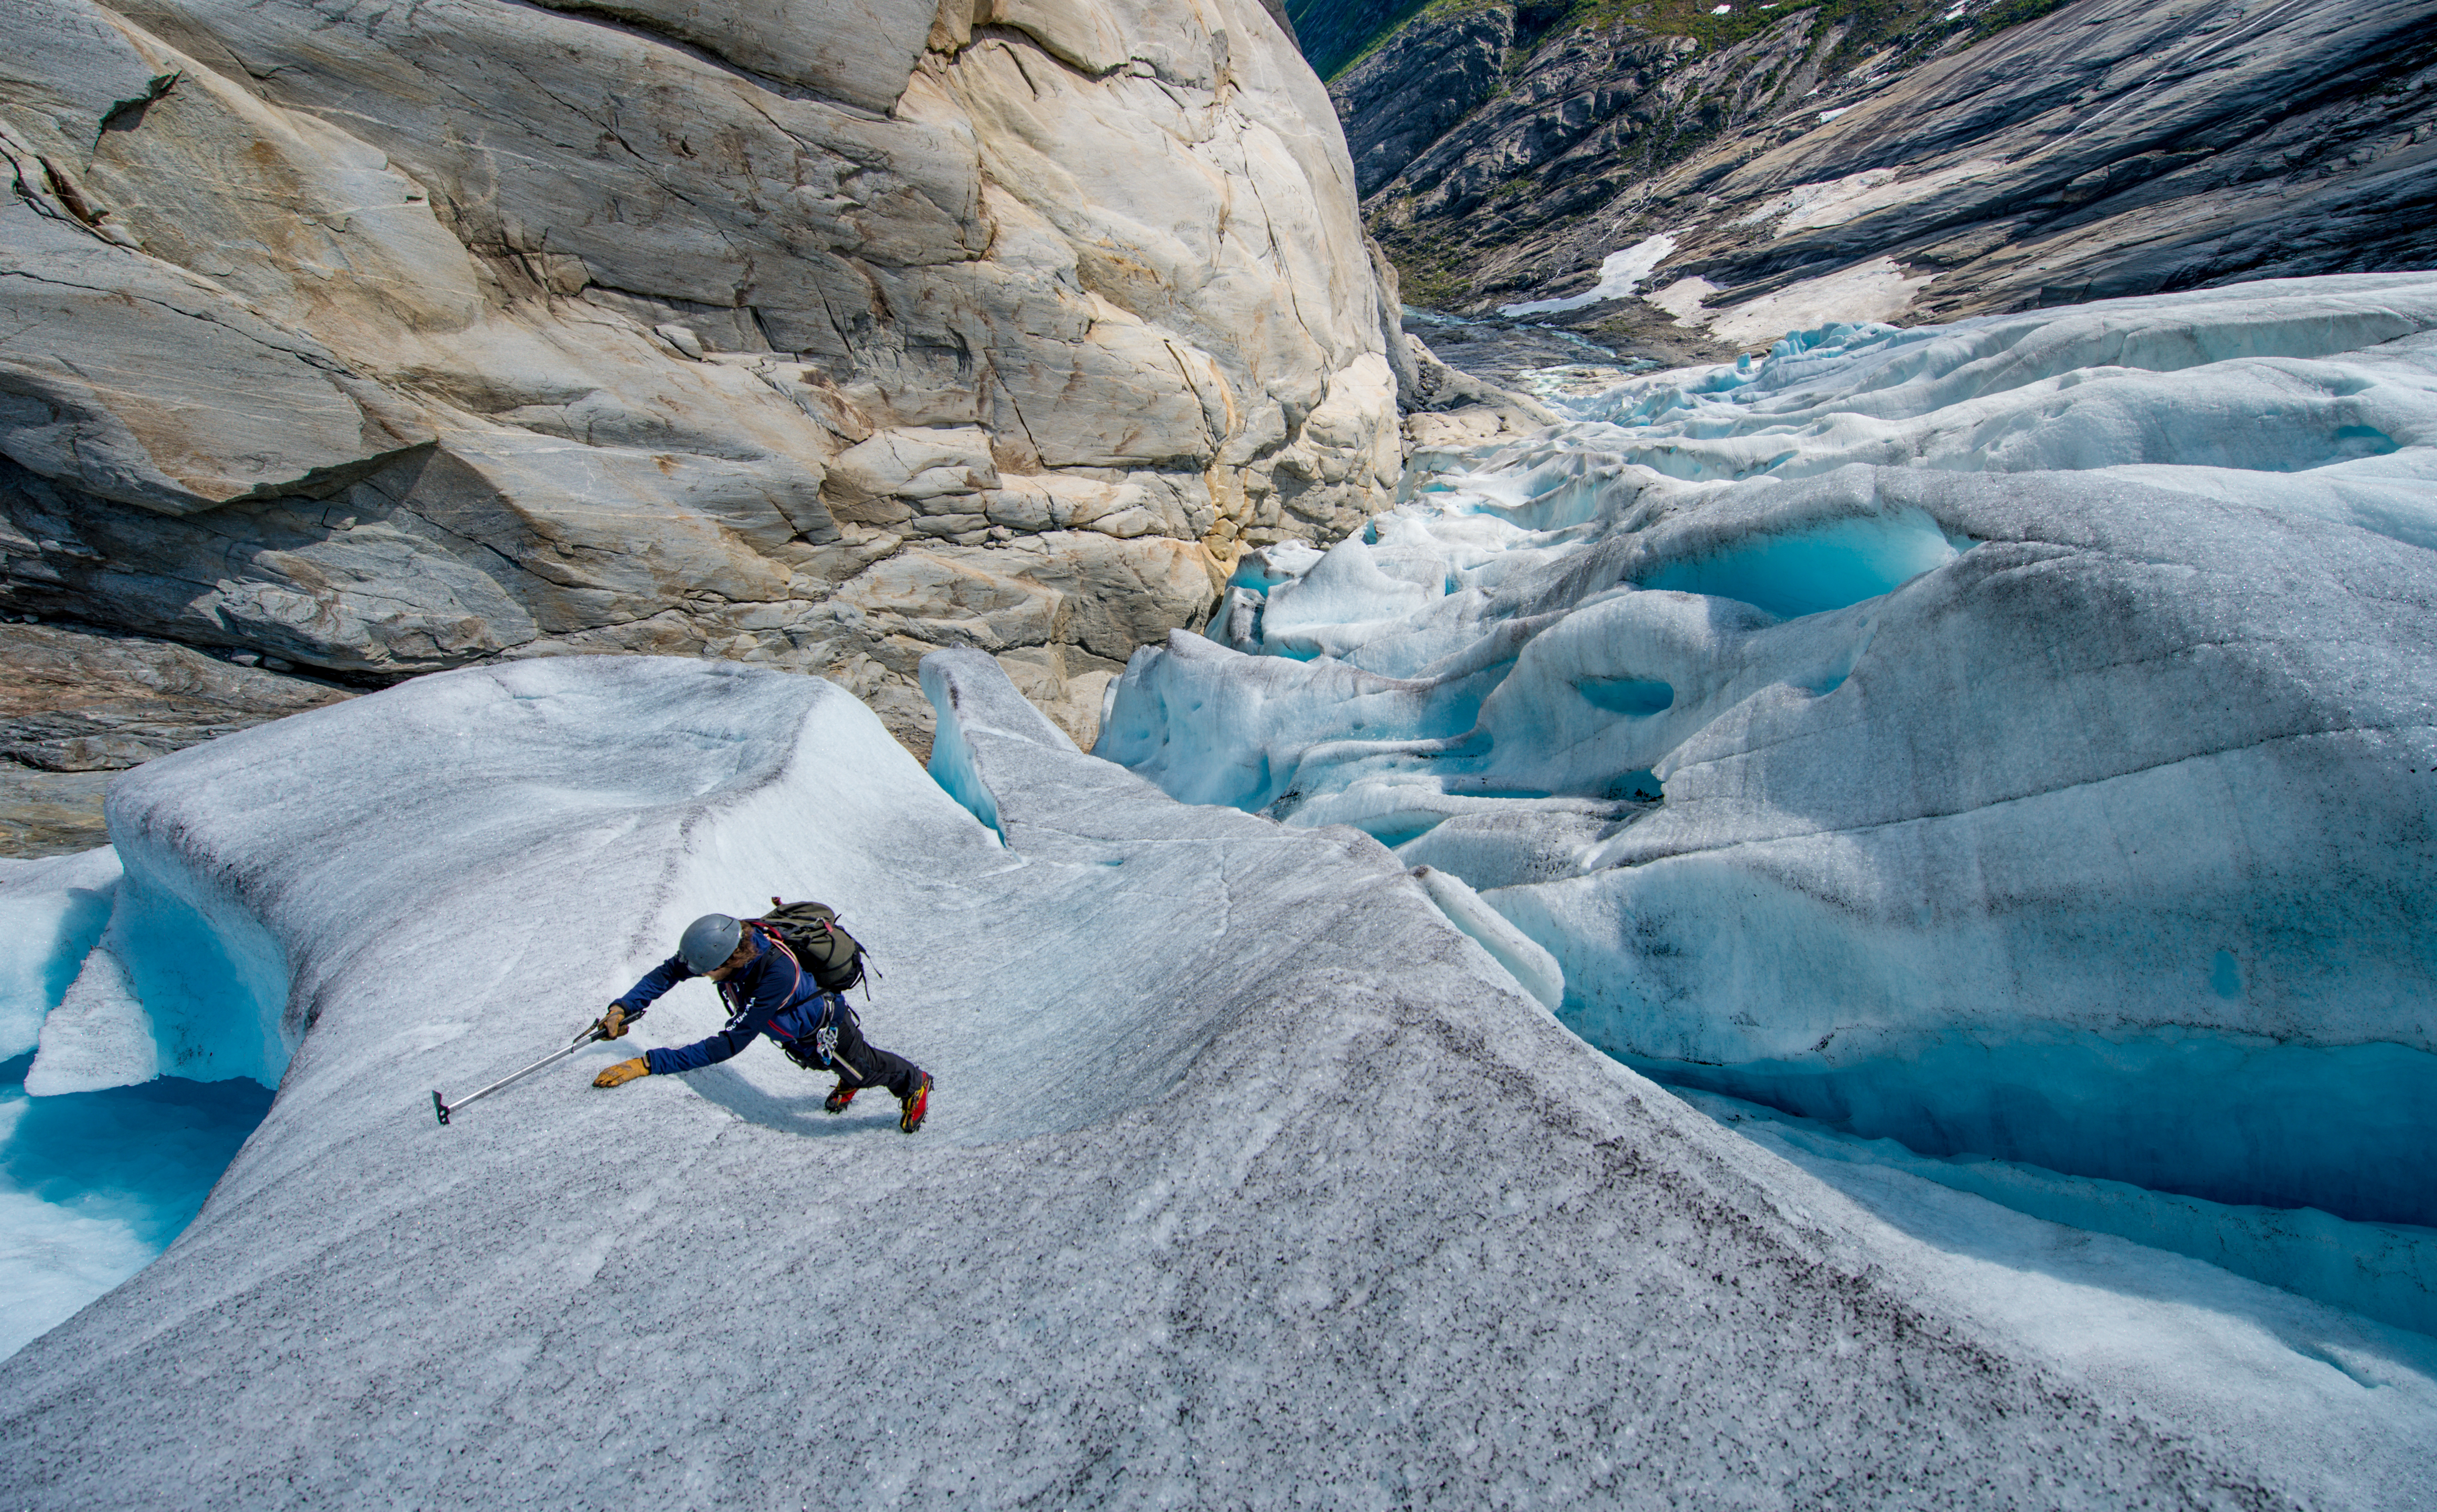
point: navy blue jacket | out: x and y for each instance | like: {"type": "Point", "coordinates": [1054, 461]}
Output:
{"type": "Point", "coordinates": [770, 995]}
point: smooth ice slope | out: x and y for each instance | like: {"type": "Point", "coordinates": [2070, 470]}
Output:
{"type": "Point", "coordinates": [1250, 1179]}
{"type": "Point", "coordinates": [2014, 738]}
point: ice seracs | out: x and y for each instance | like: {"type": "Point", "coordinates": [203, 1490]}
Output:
{"type": "Point", "coordinates": [92, 1187]}
{"type": "Point", "coordinates": [51, 912]}
{"type": "Point", "coordinates": [2012, 738]}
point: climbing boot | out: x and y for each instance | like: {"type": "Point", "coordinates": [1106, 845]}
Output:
{"type": "Point", "coordinates": [839, 1097]}
{"type": "Point", "coordinates": [915, 1106]}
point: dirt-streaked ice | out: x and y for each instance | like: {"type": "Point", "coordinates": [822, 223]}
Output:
{"type": "Point", "coordinates": [2015, 738]}
{"type": "Point", "coordinates": [1250, 1179]}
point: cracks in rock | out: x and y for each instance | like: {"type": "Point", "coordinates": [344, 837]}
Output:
{"type": "Point", "coordinates": [1278, 254]}
{"type": "Point", "coordinates": [1015, 56]}
{"type": "Point", "coordinates": [1020, 424]}
{"type": "Point", "coordinates": [1215, 442]}
{"type": "Point", "coordinates": [510, 562]}
{"type": "Point", "coordinates": [128, 114]}
{"type": "Point", "coordinates": [650, 167]}
{"type": "Point", "coordinates": [642, 27]}
{"type": "Point", "coordinates": [1134, 66]}
{"type": "Point", "coordinates": [322, 362]}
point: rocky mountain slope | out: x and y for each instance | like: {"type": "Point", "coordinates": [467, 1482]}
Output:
{"type": "Point", "coordinates": [384, 340]}
{"type": "Point", "coordinates": [1887, 162]}
{"type": "Point", "coordinates": [77, 707]}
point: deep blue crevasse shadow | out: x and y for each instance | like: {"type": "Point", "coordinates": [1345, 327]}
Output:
{"type": "Point", "coordinates": [147, 1155]}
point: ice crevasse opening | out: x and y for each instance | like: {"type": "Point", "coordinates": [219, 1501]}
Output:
{"type": "Point", "coordinates": [140, 1042]}
{"type": "Point", "coordinates": [1962, 737]}
{"type": "Point", "coordinates": [158, 989]}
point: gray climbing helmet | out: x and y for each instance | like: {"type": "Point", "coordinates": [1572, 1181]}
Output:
{"type": "Point", "coordinates": [708, 942]}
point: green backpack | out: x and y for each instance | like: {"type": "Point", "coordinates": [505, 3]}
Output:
{"type": "Point", "coordinates": [813, 935]}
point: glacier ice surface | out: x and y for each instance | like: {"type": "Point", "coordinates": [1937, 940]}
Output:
{"type": "Point", "coordinates": [2014, 738]}
{"type": "Point", "coordinates": [1915, 726]}
{"type": "Point", "coordinates": [1249, 1174]}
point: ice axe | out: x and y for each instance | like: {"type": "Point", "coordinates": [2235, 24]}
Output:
{"type": "Point", "coordinates": [443, 1107]}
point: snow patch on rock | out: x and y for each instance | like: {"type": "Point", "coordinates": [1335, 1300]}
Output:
{"type": "Point", "coordinates": [1620, 274]}
{"type": "Point", "coordinates": [1878, 289]}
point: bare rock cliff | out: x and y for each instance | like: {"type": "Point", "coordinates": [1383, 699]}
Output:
{"type": "Point", "coordinates": [1910, 161]}
{"type": "Point", "coordinates": [386, 338]}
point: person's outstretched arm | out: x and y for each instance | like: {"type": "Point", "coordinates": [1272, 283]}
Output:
{"type": "Point", "coordinates": [655, 985]}
{"type": "Point", "coordinates": [776, 985]}
{"type": "Point", "coordinates": [628, 1006]}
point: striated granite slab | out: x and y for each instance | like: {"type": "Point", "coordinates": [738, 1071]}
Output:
{"type": "Point", "coordinates": [78, 705]}
{"type": "Point", "coordinates": [387, 341]}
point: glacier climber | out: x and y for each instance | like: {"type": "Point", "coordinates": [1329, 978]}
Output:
{"type": "Point", "coordinates": [768, 990]}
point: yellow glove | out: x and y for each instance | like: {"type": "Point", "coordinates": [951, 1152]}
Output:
{"type": "Point", "coordinates": [613, 1024]}
{"type": "Point", "coordinates": [623, 1072]}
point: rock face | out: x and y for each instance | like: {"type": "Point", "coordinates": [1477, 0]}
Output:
{"type": "Point", "coordinates": [387, 342]}
{"type": "Point", "coordinates": [1907, 163]}
{"type": "Point", "coordinates": [77, 707]}
{"type": "Point", "coordinates": [1424, 80]}
{"type": "Point", "coordinates": [79, 702]}
{"type": "Point", "coordinates": [47, 814]}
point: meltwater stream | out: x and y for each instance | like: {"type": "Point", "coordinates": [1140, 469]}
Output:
{"type": "Point", "coordinates": [2004, 749]}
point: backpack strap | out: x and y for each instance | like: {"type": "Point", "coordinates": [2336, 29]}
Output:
{"type": "Point", "coordinates": [771, 940]}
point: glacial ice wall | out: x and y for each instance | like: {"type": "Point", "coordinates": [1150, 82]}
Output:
{"type": "Point", "coordinates": [2015, 738]}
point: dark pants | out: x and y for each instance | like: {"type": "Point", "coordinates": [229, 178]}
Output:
{"type": "Point", "coordinates": [868, 1064]}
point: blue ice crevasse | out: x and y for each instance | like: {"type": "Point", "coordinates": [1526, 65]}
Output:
{"type": "Point", "coordinates": [2029, 753]}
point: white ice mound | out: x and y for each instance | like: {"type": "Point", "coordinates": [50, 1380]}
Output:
{"type": "Point", "coordinates": [1247, 1173]}
{"type": "Point", "coordinates": [51, 911]}
{"type": "Point", "coordinates": [99, 1036]}
{"type": "Point", "coordinates": [2014, 737]}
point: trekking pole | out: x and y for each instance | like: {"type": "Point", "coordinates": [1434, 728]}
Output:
{"type": "Point", "coordinates": [443, 1107]}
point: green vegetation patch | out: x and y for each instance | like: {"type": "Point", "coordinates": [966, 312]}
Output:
{"type": "Point", "coordinates": [1428, 10]}
{"type": "Point", "coordinates": [1337, 34]}
{"type": "Point", "coordinates": [2011, 13]}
